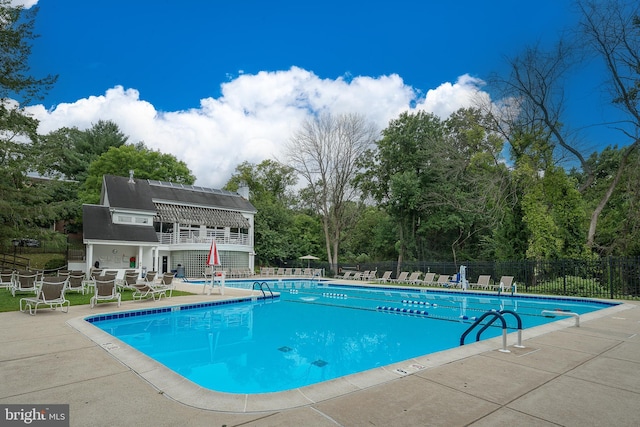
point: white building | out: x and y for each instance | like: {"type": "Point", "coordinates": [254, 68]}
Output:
{"type": "Point", "coordinates": [159, 226]}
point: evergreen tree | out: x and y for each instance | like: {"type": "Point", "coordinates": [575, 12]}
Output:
{"type": "Point", "coordinates": [22, 201]}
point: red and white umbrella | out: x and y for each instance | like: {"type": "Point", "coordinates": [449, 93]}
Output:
{"type": "Point", "coordinates": [214, 256]}
{"type": "Point", "coordinates": [213, 259]}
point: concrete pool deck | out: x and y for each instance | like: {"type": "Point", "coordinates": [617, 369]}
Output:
{"type": "Point", "coordinates": [566, 375]}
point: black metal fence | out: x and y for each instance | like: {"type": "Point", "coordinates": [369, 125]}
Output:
{"type": "Point", "coordinates": [36, 248]}
{"type": "Point", "coordinates": [614, 278]}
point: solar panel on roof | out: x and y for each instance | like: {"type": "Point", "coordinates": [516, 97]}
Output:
{"type": "Point", "coordinates": [191, 187]}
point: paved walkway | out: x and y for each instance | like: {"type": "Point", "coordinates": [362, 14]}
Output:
{"type": "Point", "coordinates": [566, 375]}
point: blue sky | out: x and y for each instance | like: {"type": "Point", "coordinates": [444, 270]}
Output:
{"type": "Point", "coordinates": [235, 79]}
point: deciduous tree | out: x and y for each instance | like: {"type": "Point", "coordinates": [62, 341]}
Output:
{"type": "Point", "coordinates": [608, 31]}
{"type": "Point", "coordinates": [269, 182]}
{"type": "Point", "coordinates": [324, 151]}
{"type": "Point", "coordinates": [146, 164]}
{"type": "Point", "coordinates": [397, 170]}
{"type": "Point", "coordinates": [612, 30]}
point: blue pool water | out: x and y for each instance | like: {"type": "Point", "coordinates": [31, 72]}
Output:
{"type": "Point", "coordinates": [313, 332]}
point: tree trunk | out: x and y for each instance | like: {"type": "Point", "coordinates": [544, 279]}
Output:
{"type": "Point", "coordinates": [333, 263]}
{"type": "Point", "coordinates": [400, 252]}
{"type": "Point", "coordinates": [593, 224]}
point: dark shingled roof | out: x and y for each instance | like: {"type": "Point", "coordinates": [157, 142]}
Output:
{"type": "Point", "coordinates": [223, 200]}
{"type": "Point", "coordinates": [142, 193]}
{"type": "Point", "coordinates": [97, 225]}
{"type": "Point", "coordinates": [124, 194]}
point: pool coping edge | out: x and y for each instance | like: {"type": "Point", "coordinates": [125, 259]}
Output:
{"type": "Point", "coordinates": [184, 391]}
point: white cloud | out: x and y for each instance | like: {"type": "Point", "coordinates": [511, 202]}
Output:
{"type": "Point", "coordinates": [254, 116]}
{"type": "Point", "coordinates": [447, 97]}
{"type": "Point", "coordinates": [26, 3]}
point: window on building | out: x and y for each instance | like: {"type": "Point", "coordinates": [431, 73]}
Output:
{"type": "Point", "coordinates": [131, 219]}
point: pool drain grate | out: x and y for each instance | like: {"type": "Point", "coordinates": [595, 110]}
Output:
{"type": "Point", "coordinates": [320, 363]}
{"type": "Point", "coordinates": [285, 349]}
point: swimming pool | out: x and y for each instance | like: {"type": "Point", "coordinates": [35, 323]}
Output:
{"type": "Point", "coordinates": [313, 332]}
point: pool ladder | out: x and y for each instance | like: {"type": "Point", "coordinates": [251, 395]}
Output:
{"type": "Point", "coordinates": [261, 286]}
{"type": "Point", "coordinates": [496, 315]}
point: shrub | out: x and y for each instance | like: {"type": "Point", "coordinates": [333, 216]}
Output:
{"type": "Point", "coordinates": [570, 286]}
{"type": "Point", "coordinates": [55, 263]}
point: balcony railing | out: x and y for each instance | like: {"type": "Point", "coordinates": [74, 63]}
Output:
{"type": "Point", "coordinates": [188, 237]}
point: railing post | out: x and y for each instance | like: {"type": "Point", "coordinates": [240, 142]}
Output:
{"type": "Point", "coordinates": [564, 278]}
{"type": "Point", "coordinates": [518, 325]}
{"type": "Point", "coordinates": [610, 263]}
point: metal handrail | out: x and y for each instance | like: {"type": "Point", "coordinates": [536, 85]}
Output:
{"type": "Point", "coordinates": [562, 313]}
{"type": "Point", "coordinates": [261, 288]}
{"type": "Point", "coordinates": [496, 315]}
{"type": "Point", "coordinates": [519, 325]}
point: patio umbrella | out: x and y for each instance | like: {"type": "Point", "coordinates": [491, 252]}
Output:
{"type": "Point", "coordinates": [213, 259]}
{"type": "Point", "coordinates": [309, 258]}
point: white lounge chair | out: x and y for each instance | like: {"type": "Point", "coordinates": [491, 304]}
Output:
{"type": "Point", "coordinates": [386, 277]}
{"type": "Point", "coordinates": [414, 278]}
{"type": "Point", "coordinates": [130, 279]}
{"type": "Point", "coordinates": [110, 274]}
{"type": "Point", "coordinates": [75, 283]}
{"type": "Point", "coordinates": [428, 279]}
{"type": "Point", "coordinates": [507, 284]}
{"type": "Point", "coordinates": [402, 277]}
{"type": "Point", "coordinates": [345, 275]}
{"type": "Point", "coordinates": [148, 290]}
{"type": "Point", "coordinates": [369, 276]}
{"type": "Point", "coordinates": [89, 281]}
{"type": "Point", "coordinates": [443, 280]}
{"type": "Point", "coordinates": [483, 283]}
{"type": "Point", "coordinates": [51, 293]}
{"type": "Point", "coordinates": [167, 284]}
{"type": "Point", "coordinates": [25, 281]}
{"type": "Point", "coordinates": [105, 290]}
{"type": "Point", "coordinates": [6, 279]}
{"type": "Point", "coordinates": [150, 277]}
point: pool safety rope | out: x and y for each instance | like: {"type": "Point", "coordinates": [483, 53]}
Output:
{"type": "Point", "coordinates": [434, 305]}
{"type": "Point", "coordinates": [405, 301]}
{"type": "Point", "coordinates": [403, 310]}
{"type": "Point", "coordinates": [334, 295]}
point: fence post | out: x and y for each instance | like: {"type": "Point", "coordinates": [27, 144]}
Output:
{"type": "Point", "coordinates": [564, 278]}
{"type": "Point", "coordinates": [610, 277]}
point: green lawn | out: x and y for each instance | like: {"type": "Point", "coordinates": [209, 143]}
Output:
{"type": "Point", "coordinates": [10, 303]}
